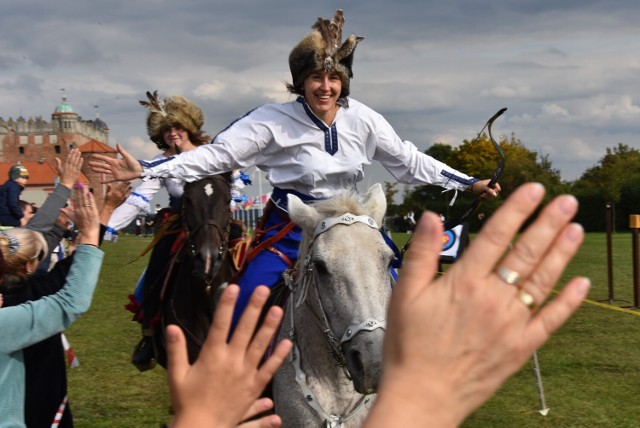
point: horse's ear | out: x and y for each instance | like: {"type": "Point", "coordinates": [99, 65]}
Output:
{"type": "Point", "coordinates": [300, 213]}
{"type": "Point", "coordinates": [376, 202]}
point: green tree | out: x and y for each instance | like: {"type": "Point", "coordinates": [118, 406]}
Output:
{"type": "Point", "coordinates": [618, 167]}
{"type": "Point", "coordinates": [390, 192]}
{"type": "Point", "coordinates": [440, 151]}
{"type": "Point", "coordinates": [614, 180]}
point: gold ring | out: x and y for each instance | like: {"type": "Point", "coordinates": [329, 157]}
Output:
{"type": "Point", "coordinates": [87, 205]}
{"type": "Point", "coordinates": [509, 276]}
{"type": "Point", "coordinates": [526, 299]}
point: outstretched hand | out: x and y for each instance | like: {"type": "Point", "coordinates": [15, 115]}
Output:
{"type": "Point", "coordinates": [125, 169]}
{"type": "Point", "coordinates": [69, 171]}
{"type": "Point", "coordinates": [220, 389]}
{"type": "Point", "coordinates": [451, 342]}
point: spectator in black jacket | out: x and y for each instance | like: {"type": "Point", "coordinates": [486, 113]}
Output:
{"type": "Point", "coordinates": [10, 209]}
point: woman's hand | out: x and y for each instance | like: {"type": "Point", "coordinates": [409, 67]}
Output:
{"type": "Point", "coordinates": [84, 213]}
{"type": "Point", "coordinates": [116, 194]}
{"type": "Point", "coordinates": [451, 342]}
{"type": "Point", "coordinates": [482, 189]}
{"type": "Point", "coordinates": [69, 172]}
{"type": "Point", "coordinates": [125, 169]}
{"type": "Point", "coordinates": [221, 387]}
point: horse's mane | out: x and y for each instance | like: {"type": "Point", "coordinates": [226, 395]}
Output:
{"type": "Point", "coordinates": [343, 202]}
{"type": "Point", "coordinates": [346, 201]}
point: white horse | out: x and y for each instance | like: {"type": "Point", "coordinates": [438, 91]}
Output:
{"type": "Point", "coordinates": [336, 313]}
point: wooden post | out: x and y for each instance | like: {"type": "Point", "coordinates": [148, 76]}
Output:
{"type": "Point", "coordinates": [609, 227]}
{"type": "Point", "coordinates": [634, 225]}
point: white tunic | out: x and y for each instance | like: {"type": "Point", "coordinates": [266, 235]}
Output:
{"type": "Point", "coordinates": [140, 201]}
{"type": "Point", "coordinates": [293, 146]}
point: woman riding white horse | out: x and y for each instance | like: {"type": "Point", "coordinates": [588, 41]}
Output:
{"type": "Point", "coordinates": [313, 147]}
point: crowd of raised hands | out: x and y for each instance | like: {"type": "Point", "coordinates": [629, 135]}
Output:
{"type": "Point", "coordinates": [451, 341]}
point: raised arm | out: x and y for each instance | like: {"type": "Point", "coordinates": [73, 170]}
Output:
{"type": "Point", "coordinates": [479, 323]}
{"type": "Point", "coordinates": [240, 378]}
{"type": "Point", "coordinates": [69, 172]}
{"type": "Point", "coordinates": [32, 322]}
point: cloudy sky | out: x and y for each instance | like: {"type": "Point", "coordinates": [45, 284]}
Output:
{"type": "Point", "coordinates": [568, 71]}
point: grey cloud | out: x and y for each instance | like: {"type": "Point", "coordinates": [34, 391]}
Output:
{"type": "Point", "coordinates": [436, 70]}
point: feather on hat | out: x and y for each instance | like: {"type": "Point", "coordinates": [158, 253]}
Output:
{"type": "Point", "coordinates": [174, 111]}
{"type": "Point", "coordinates": [322, 49]}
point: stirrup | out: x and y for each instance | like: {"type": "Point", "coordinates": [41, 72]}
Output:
{"type": "Point", "coordinates": [144, 354]}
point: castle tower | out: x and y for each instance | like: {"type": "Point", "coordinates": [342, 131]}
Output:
{"type": "Point", "coordinates": [37, 142]}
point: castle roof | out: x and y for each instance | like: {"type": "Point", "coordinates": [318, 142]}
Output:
{"type": "Point", "coordinates": [100, 124]}
{"type": "Point", "coordinates": [93, 146]}
{"type": "Point", "coordinates": [40, 173]}
{"type": "Point", "coordinates": [64, 108]}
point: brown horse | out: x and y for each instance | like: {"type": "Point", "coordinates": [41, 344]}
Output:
{"type": "Point", "coordinates": [202, 264]}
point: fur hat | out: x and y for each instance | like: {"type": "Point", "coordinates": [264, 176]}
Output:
{"type": "Point", "coordinates": [18, 171]}
{"type": "Point", "coordinates": [322, 49]}
{"type": "Point", "coordinates": [175, 111]}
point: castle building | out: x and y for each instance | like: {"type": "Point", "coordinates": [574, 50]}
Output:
{"type": "Point", "coordinates": [36, 143]}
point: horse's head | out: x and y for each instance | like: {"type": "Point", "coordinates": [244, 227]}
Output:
{"type": "Point", "coordinates": [345, 280]}
{"type": "Point", "coordinates": [206, 215]}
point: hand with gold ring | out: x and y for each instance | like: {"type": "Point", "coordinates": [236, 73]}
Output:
{"type": "Point", "coordinates": [454, 340]}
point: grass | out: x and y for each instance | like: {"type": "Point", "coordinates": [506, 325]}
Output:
{"type": "Point", "coordinates": [589, 368]}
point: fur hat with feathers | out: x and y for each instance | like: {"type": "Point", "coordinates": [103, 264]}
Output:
{"type": "Point", "coordinates": [174, 111]}
{"type": "Point", "coordinates": [322, 49]}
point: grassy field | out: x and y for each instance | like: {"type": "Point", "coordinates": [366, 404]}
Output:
{"type": "Point", "coordinates": [590, 368]}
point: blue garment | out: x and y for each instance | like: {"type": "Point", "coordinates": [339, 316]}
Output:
{"type": "Point", "coordinates": [10, 210]}
{"type": "Point", "coordinates": [267, 267]}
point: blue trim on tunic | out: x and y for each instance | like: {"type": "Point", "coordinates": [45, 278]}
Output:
{"type": "Point", "coordinates": [151, 164]}
{"type": "Point", "coordinates": [458, 179]}
{"type": "Point", "coordinates": [144, 198]}
{"type": "Point", "coordinates": [330, 133]}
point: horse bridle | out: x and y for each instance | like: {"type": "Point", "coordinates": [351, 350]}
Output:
{"type": "Point", "coordinates": [335, 344]}
{"type": "Point", "coordinates": [370, 324]}
{"type": "Point", "coordinates": [222, 231]}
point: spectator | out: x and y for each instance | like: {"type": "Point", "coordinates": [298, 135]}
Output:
{"type": "Point", "coordinates": [28, 211]}
{"type": "Point", "coordinates": [29, 323]}
{"type": "Point", "coordinates": [411, 221]}
{"type": "Point", "coordinates": [149, 222]}
{"type": "Point", "coordinates": [10, 209]}
{"type": "Point", "coordinates": [138, 226]}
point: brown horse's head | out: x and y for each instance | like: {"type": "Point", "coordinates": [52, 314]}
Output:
{"type": "Point", "coordinates": [207, 218]}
